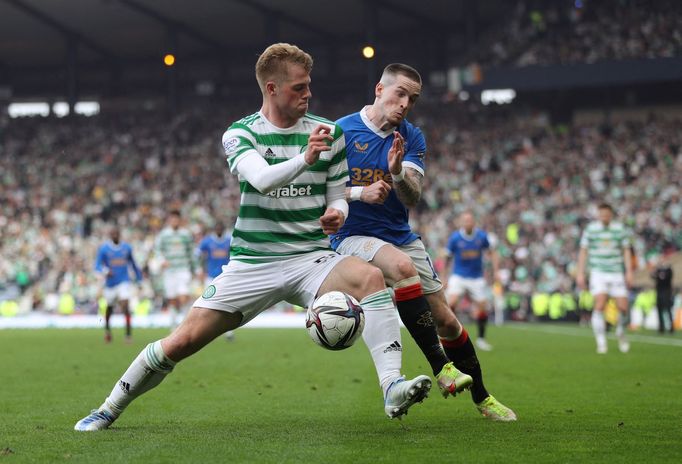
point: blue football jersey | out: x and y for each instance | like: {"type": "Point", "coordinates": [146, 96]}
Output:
{"type": "Point", "coordinates": [367, 149]}
{"type": "Point", "coordinates": [217, 253]}
{"type": "Point", "coordinates": [468, 252]}
{"type": "Point", "coordinates": [114, 260]}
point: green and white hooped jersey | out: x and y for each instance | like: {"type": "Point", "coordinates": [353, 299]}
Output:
{"type": "Point", "coordinates": [284, 222]}
{"type": "Point", "coordinates": [175, 246]}
{"type": "Point", "coordinates": [605, 246]}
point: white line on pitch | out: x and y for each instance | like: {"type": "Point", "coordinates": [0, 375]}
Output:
{"type": "Point", "coordinates": [584, 333]}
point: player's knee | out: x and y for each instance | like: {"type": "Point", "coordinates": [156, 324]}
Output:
{"type": "Point", "coordinates": [404, 268]}
{"type": "Point", "coordinates": [373, 280]}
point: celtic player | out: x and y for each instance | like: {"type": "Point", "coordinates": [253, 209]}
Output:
{"type": "Point", "coordinates": [605, 248]}
{"type": "Point", "coordinates": [175, 247]}
{"type": "Point", "coordinates": [292, 170]}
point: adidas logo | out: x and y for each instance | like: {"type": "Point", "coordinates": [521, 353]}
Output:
{"type": "Point", "coordinates": [269, 153]}
{"type": "Point", "coordinates": [125, 386]}
{"type": "Point", "coordinates": [395, 346]}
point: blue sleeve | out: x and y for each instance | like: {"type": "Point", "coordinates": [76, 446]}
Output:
{"type": "Point", "coordinates": [451, 244]}
{"type": "Point", "coordinates": [203, 247]}
{"type": "Point", "coordinates": [416, 148]}
{"type": "Point", "coordinates": [99, 262]}
{"type": "Point", "coordinates": [133, 264]}
{"type": "Point", "coordinates": [486, 242]}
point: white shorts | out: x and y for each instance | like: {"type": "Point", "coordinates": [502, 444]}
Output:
{"type": "Point", "coordinates": [250, 289]}
{"type": "Point", "coordinates": [477, 288]}
{"type": "Point", "coordinates": [122, 291]}
{"type": "Point", "coordinates": [176, 282]}
{"type": "Point", "coordinates": [609, 283]}
{"type": "Point", "coordinates": [367, 247]}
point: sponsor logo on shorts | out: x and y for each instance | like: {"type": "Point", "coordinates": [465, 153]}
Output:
{"type": "Point", "coordinates": [368, 246]}
{"type": "Point", "coordinates": [209, 292]}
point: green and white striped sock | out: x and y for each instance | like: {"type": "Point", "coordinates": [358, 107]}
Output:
{"type": "Point", "coordinates": [147, 371]}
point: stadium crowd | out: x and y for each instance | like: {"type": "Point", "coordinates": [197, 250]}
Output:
{"type": "Point", "coordinates": [585, 32]}
{"type": "Point", "coordinates": [532, 184]}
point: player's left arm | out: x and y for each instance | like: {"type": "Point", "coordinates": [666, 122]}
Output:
{"type": "Point", "coordinates": [495, 260]}
{"type": "Point", "coordinates": [491, 244]}
{"type": "Point", "coordinates": [189, 246]}
{"type": "Point", "coordinates": [337, 176]}
{"type": "Point", "coordinates": [133, 264]}
{"type": "Point", "coordinates": [627, 261]}
{"type": "Point", "coordinates": [407, 180]}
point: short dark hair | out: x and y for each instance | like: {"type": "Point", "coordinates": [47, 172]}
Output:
{"type": "Point", "coordinates": [174, 212]}
{"type": "Point", "coordinates": [605, 205]}
{"type": "Point", "coordinates": [408, 71]}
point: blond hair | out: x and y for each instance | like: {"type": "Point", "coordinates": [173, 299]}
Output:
{"type": "Point", "coordinates": [271, 64]}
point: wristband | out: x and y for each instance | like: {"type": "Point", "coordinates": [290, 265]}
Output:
{"type": "Point", "coordinates": [355, 193]}
{"type": "Point", "coordinates": [400, 176]}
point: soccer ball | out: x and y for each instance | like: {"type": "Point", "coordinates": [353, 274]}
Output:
{"type": "Point", "coordinates": [335, 321]}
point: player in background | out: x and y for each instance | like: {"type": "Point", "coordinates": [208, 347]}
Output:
{"type": "Point", "coordinates": [113, 263]}
{"type": "Point", "coordinates": [466, 248]}
{"type": "Point", "coordinates": [174, 245]}
{"type": "Point", "coordinates": [605, 249]}
{"type": "Point", "coordinates": [214, 253]}
{"type": "Point", "coordinates": [292, 169]}
{"type": "Point", "coordinates": [663, 279]}
{"type": "Point", "coordinates": [386, 165]}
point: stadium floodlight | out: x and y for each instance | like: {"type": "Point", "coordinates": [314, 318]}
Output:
{"type": "Point", "coordinates": [499, 96]}
{"type": "Point", "coordinates": [60, 109]}
{"type": "Point", "coordinates": [87, 108]}
{"type": "Point", "coordinates": [169, 59]}
{"type": "Point", "coordinates": [368, 52]}
{"type": "Point", "coordinates": [18, 110]}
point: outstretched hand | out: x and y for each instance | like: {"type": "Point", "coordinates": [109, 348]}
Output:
{"type": "Point", "coordinates": [396, 153]}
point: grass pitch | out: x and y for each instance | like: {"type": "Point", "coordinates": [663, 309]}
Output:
{"type": "Point", "coordinates": [273, 396]}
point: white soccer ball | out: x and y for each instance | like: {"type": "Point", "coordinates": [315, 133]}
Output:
{"type": "Point", "coordinates": [335, 321]}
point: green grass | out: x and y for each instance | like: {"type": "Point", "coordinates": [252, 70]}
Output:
{"type": "Point", "coordinates": [273, 396]}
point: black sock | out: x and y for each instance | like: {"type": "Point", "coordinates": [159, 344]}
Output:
{"type": "Point", "coordinates": [415, 313]}
{"type": "Point", "coordinates": [107, 316]}
{"type": "Point", "coordinates": [128, 324]}
{"type": "Point", "coordinates": [482, 322]}
{"type": "Point", "coordinates": [463, 356]}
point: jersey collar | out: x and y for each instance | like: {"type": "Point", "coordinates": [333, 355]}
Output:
{"type": "Point", "coordinates": [281, 130]}
{"type": "Point", "coordinates": [371, 126]}
{"type": "Point", "coordinates": [463, 233]}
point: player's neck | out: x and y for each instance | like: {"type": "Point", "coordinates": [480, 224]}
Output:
{"type": "Point", "coordinates": [277, 118]}
{"type": "Point", "coordinates": [376, 117]}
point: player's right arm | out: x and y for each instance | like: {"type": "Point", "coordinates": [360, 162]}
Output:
{"type": "Point", "coordinates": [101, 267]}
{"type": "Point", "coordinates": [449, 257]}
{"type": "Point", "coordinates": [580, 270]}
{"type": "Point", "coordinates": [244, 159]}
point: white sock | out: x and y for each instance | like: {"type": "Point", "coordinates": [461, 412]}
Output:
{"type": "Point", "coordinates": [174, 312]}
{"type": "Point", "coordinates": [599, 327]}
{"type": "Point", "coordinates": [382, 336]}
{"type": "Point", "coordinates": [620, 326]}
{"type": "Point", "coordinates": [147, 371]}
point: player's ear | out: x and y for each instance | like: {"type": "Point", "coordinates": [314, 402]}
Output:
{"type": "Point", "coordinates": [378, 90]}
{"type": "Point", "coordinates": [271, 88]}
